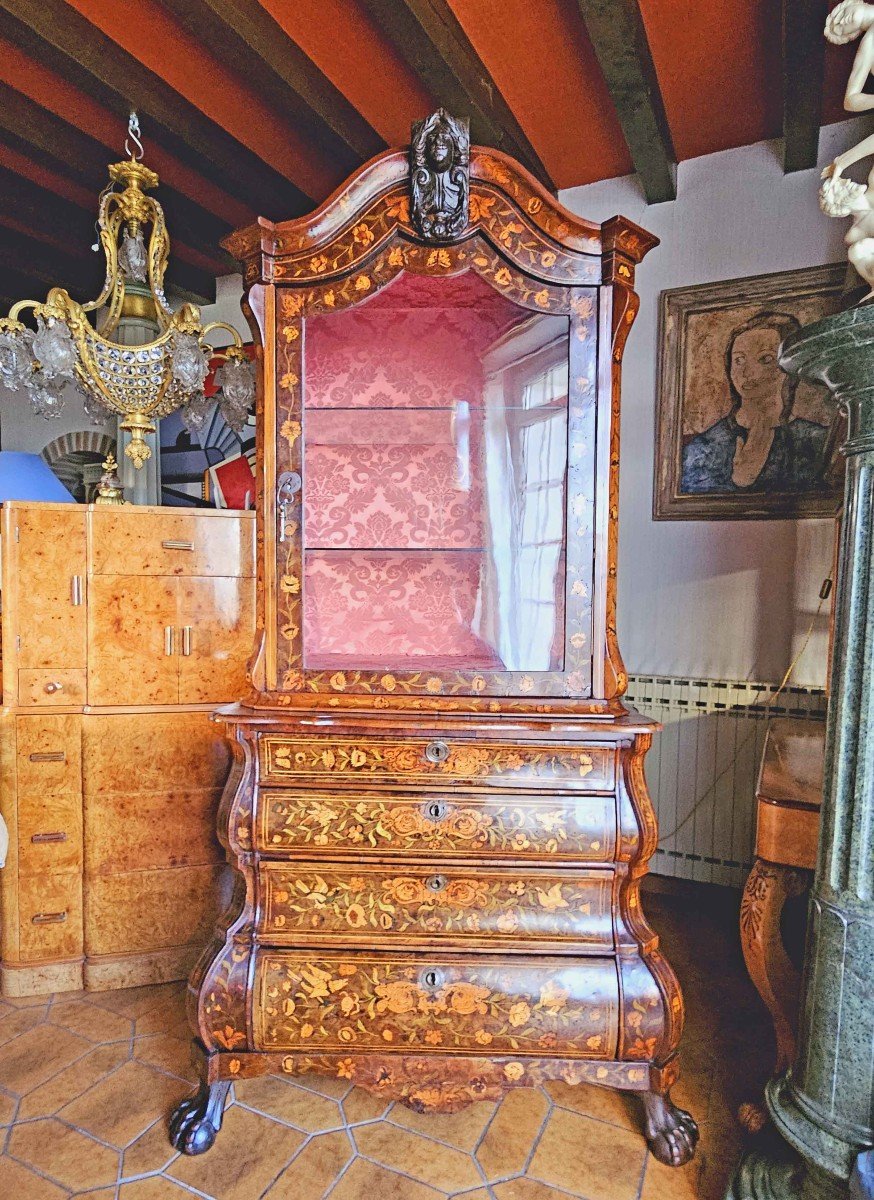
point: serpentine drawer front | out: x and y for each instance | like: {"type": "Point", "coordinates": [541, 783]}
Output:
{"type": "Point", "coordinates": [415, 905]}
{"type": "Point", "coordinates": [579, 828]}
{"type": "Point", "coordinates": [413, 760]}
{"type": "Point", "coordinates": [397, 1002]}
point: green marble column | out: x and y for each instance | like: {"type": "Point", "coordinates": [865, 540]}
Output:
{"type": "Point", "coordinates": [822, 1107]}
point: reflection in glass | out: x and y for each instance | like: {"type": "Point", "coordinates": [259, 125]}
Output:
{"type": "Point", "coordinates": [435, 434]}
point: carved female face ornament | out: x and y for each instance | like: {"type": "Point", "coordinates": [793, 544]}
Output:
{"type": "Point", "coordinates": [439, 183]}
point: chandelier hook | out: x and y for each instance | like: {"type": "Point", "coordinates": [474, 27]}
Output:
{"type": "Point", "coordinates": [133, 130]}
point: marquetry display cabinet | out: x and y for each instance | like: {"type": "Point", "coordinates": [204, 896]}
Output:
{"type": "Point", "coordinates": [438, 814]}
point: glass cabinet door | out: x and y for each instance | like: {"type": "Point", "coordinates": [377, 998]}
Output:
{"type": "Point", "coordinates": [435, 487]}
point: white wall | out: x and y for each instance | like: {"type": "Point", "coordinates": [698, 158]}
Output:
{"type": "Point", "coordinates": [717, 599]}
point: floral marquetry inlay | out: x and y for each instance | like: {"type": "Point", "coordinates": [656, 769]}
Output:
{"type": "Point", "coordinates": [328, 1004]}
{"type": "Point", "coordinates": [356, 904]}
{"type": "Point", "coordinates": [574, 828]}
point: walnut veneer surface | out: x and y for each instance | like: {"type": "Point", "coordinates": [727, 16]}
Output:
{"type": "Point", "coordinates": [111, 765]}
{"type": "Point", "coordinates": [438, 826]}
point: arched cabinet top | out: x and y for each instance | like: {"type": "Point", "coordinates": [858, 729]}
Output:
{"type": "Point", "coordinates": [508, 207]}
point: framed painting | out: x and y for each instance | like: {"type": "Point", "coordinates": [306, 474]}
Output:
{"type": "Point", "coordinates": [736, 438]}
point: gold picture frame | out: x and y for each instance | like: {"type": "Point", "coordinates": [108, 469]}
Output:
{"type": "Point", "coordinates": [768, 450]}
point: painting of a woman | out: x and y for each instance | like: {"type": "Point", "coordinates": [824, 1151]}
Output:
{"type": "Point", "coordinates": [760, 445]}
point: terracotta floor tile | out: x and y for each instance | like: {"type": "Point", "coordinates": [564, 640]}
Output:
{"type": "Point", "coordinates": [530, 1189]}
{"type": "Point", "coordinates": [617, 1108]}
{"type": "Point", "coordinates": [90, 1022]}
{"type": "Point", "coordinates": [589, 1158]}
{"type": "Point", "coordinates": [18, 1020]}
{"type": "Point", "coordinates": [71, 1158]}
{"type": "Point", "coordinates": [33, 1057]}
{"type": "Point", "coordinates": [283, 1100]}
{"type": "Point", "coordinates": [478, 1194]}
{"type": "Point", "coordinates": [361, 1105]}
{"type": "Point", "coordinates": [135, 1002]}
{"type": "Point", "coordinates": [325, 1085]}
{"type": "Point", "coordinates": [314, 1169]}
{"type": "Point", "coordinates": [513, 1133]}
{"type": "Point", "coordinates": [153, 1189]}
{"type": "Point", "coordinates": [30, 1001]}
{"type": "Point", "coordinates": [18, 1181]}
{"type": "Point", "coordinates": [52, 1095]}
{"type": "Point", "coordinates": [167, 1053]}
{"type": "Point", "coordinates": [168, 1016]}
{"type": "Point", "coordinates": [462, 1129]}
{"type": "Point", "coordinates": [249, 1154]}
{"type": "Point", "coordinates": [367, 1181]}
{"type": "Point", "coordinates": [7, 1108]}
{"type": "Point", "coordinates": [121, 1107]}
{"type": "Point", "coordinates": [430, 1162]}
{"type": "Point", "coordinates": [150, 1152]}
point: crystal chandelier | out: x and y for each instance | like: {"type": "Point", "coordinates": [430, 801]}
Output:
{"type": "Point", "coordinates": [138, 383]}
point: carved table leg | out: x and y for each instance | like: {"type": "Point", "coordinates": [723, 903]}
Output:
{"type": "Point", "coordinates": [776, 980]}
{"type": "Point", "coordinates": [196, 1121]}
{"type": "Point", "coordinates": [671, 1132]}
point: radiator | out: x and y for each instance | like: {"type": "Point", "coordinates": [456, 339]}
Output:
{"type": "Point", "coordinates": [703, 767]}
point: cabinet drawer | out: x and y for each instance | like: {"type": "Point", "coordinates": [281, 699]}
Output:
{"type": "Point", "coordinates": [411, 760]}
{"type": "Point", "coordinates": [50, 916]}
{"type": "Point", "coordinates": [397, 1002]}
{"type": "Point", "coordinates": [420, 905]}
{"type": "Point", "coordinates": [49, 833]}
{"type": "Point", "coordinates": [48, 686]}
{"type": "Point", "coordinates": [170, 544]}
{"type": "Point", "coordinates": [49, 754]}
{"type": "Point", "coordinates": [574, 828]}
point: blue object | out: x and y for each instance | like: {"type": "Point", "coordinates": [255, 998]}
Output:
{"type": "Point", "coordinates": [29, 477]}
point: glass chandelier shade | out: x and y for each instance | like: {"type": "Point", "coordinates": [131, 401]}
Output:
{"type": "Point", "coordinates": [72, 344]}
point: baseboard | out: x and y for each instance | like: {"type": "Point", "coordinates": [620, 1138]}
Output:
{"type": "Point", "coordinates": [39, 979]}
{"type": "Point", "coordinates": [107, 972]}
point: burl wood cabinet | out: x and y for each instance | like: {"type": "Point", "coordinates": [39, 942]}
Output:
{"type": "Point", "coordinates": [122, 629]}
{"type": "Point", "coordinates": [437, 814]}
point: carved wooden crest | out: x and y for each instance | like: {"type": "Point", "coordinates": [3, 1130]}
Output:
{"type": "Point", "coordinates": [439, 176]}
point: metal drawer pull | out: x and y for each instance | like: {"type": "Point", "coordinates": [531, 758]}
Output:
{"type": "Point", "coordinates": [436, 752]}
{"type": "Point", "coordinates": [171, 544]}
{"type": "Point", "coordinates": [186, 639]}
{"type": "Point", "coordinates": [48, 756]}
{"type": "Point", "coordinates": [49, 918]}
{"type": "Point", "coordinates": [168, 640]}
{"type": "Point", "coordinates": [436, 883]}
{"type": "Point", "coordinates": [431, 979]}
{"type": "Point", "coordinates": [435, 810]}
{"type": "Point", "coordinates": [76, 590]}
{"type": "Point", "coordinates": [53, 686]}
{"type": "Point", "coordinates": [40, 839]}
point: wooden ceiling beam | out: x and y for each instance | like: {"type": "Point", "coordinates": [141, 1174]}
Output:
{"type": "Point", "coordinates": [53, 32]}
{"type": "Point", "coordinates": [803, 68]}
{"type": "Point", "coordinates": [244, 37]}
{"type": "Point", "coordinates": [618, 35]}
{"type": "Point", "coordinates": [68, 231]}
{"type": "Point", "coordinates": [430, 39]}
{"type": "Point", "coordinates": [48, 267]}
{"type": "Point", "coordinates": [76, 156]}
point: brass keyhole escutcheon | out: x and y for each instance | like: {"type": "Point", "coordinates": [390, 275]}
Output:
{"type": "Point", "coordinates": [436, 883]}
{"type": "Point", "coordinates": [437, 752]}
{"type": "Point", "coordinates": [435, 810]}
{"type": "Point", "coordinates": [431, 979]}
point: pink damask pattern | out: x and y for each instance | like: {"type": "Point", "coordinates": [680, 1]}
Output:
{"type": "Point", "coordinates": [370, 610]}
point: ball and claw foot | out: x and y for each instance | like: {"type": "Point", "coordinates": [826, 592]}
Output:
{"type": "Point", "coordinates": [671, 1133]}
{"type": "Point", "coordinates": [197, 1120]}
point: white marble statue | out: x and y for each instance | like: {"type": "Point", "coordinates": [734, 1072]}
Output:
{"type": "Point", "coordinates": [839, 197]}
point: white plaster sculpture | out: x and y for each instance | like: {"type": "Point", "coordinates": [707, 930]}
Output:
{"type": "Point", "coordinates": [839, 197]}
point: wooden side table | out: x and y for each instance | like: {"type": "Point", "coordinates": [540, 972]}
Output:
{"type": "Point", "coordinates": [788, 799]}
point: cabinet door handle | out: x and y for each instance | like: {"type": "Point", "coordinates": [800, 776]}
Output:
{"type": "Point", "coordinates": [53, 686]}
{"type": "Point", "coordinates": [48, 918]}
{"type": "Point", "coordinates": [41, 839]}
{"type": "Point", "coordinates": [168, 639]}
{"type": "Point", "coordinates": [172, 544]}
{"type": "Point", "coordinates": [76, 590]}
{"type": "Point", "coordinates": [186, 639]}
{"type": "Point", "coordinates": [48, 756]}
